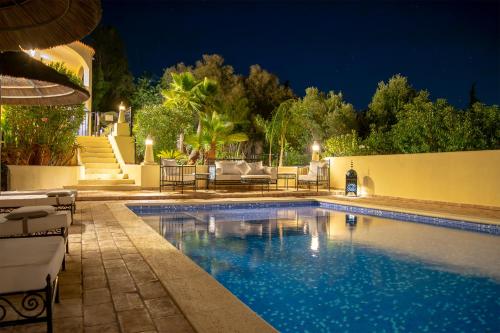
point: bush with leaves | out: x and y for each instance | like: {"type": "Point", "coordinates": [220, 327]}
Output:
{"type": "Point", "coordinates": [42, 135]}
{"type": "Point", "coordinates": [163, 123]}
{"type": "Point", "coordinates": [343, 145]}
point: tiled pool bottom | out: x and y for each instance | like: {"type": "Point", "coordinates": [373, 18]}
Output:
{"type": "Point", "coordinates": [304, 269]}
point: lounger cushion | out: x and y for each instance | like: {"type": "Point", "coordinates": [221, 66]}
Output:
{"type": "Point", "coordinates": [50, 222]}
{"type": "Point", "coordinates": [30, 212]}
{"type": "Point", "coordinates": [26, 262]}
{"type": "Point", "coordinates": [62, 193]}
{"type": "Point", "coordinates": [34, 200]}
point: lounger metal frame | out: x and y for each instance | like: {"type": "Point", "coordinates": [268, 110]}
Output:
{"type": "Point", "coordinates": [33, 305]}
{"type": "Point", "coordinates": [322, 176]}
{"type": "Point", "coordinates": [173, 176]}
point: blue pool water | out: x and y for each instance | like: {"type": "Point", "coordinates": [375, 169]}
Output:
{"type": "Point", "coordinates": [311, 269]}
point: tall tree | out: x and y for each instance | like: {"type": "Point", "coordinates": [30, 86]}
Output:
{"type": "Point", "coordinates": [388, 100]}
{"type": "Point", "coordinates": [112, 81]}
{"type": "Point", "coordinates": [472, 96]}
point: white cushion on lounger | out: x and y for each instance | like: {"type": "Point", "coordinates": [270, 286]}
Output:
{"type": "Point", "coordinates": [34, 200]}
{"type": "Point", "coordinates": [35, 192]}
{"type": "Point", "coordinates": [50, 222]}
{"type": "Point", "coordinates": [59, 193]}
{"type": "Point", "coordinates": [26, 262]}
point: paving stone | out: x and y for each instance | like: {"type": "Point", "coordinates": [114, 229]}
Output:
{"type": "Point", "coordinates": [114, 273]}
{"type": "Point", "coordinates": [160, 307]}
{"type": "Point", "coordinates": [68, 308]}
{"type": "Point", "coordinates": [98, 314]}
{"type": "Point", "coordinates": [109, 263]}
{"type": "Point", "coordinates": [67, 291]}
{"type": "Point", "coordinates": [137, 320]}
{"type": "Point", "coordinates": [68, 325]}
{"type": "Point", "coordinates": [104, 328]}
{"type": "Point", "coordinates": [94, 282]}
{"type": "Point", "coordinates": [151, 290]}
{"type": "Point", "coordinates": [122, 285]}
{"type": "Point", "coordinates": [173, 324]}
{"type": "Point", "coordinates": [127, 301]}
{"type": "Point", "coordinates": [96, 296]}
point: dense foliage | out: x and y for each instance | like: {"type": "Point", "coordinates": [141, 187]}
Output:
{"type": "Point", "coordinates": [41, 135]}
{"type": "Point", "coordinates": [282, 126]}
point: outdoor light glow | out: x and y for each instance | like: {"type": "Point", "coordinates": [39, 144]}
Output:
{"type": "Point", "coordinates": [211, 225]}
{"type": "Point", "coordinates": [149, 141]}
{"type": "Point", "coordinates": [121, 107]}
{"type": "Point", "coordinates": [315, 146]}
{"type": "Point", "coordinates": [315, 243]}
{"type": "Point", "coordinates": [32, 52]}
{"type": "Point", "coordinates": [45, 56]}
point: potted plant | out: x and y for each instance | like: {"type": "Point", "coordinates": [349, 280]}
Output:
{"type": "Point", "coordinates": [168, 157]}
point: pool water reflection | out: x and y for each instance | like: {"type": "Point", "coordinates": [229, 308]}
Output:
{"type": "Point", "coordinates": [309, 269]}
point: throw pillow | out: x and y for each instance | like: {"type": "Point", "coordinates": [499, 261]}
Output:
{"type": "Point", "coordinates": [30, 212]}
{"type": "Point", "coordinates": [243, 167]}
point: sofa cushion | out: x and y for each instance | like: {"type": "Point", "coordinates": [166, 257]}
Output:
{"type": "Point", "coordinates": [226, 177]}
{"type": "Point", "coordinates": [244, 167]}
{"type": "Point", "coordinates": [256, 168]}
{"type": "Point", "coordinates": [228, 167]}
{"type": "Point", "coordinates": [30, 212]}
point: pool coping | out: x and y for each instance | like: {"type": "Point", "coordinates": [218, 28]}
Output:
{"type": "Point", "coordinates": [206, 303]}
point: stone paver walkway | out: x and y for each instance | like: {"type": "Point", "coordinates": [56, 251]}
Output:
{"type": "Point", "coordinates": [107, 286]}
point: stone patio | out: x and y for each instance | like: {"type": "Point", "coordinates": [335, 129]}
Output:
{"type": "Point", "coordinates": [107, 286]}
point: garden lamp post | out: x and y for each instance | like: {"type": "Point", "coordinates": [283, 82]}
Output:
{"type": "Point", "coordinates": [315, 151]}
{"type": "Point", "coordinates": [148, 154]}
{"type": "Point", "coordinates": [121, 114]}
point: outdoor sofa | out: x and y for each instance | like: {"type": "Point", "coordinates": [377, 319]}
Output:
{"type": "Point", "coordinates": [239, 171]}
{"type": "Point", "coordinates": [176, 176]}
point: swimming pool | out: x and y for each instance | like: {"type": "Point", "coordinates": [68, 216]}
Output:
{"type": "Point", "coordinates": [305, 267]}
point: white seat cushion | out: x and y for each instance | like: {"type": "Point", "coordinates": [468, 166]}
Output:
{"type": "Point", "coordinates": [225, 177]}
{"type": "Point", "coordinates": [256, 177]}
{"type": "Point", "coordinates": [26, 262]}
{"type": "Point", "coordinates": [34, 200]}
{"type": "Point", "coordinates": [49, 222]}
{"type": "Point", "coordinates": [308, 178]}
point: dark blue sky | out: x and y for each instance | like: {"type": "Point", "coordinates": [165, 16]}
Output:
{"type": "Point", "coordinates": [348, 46]}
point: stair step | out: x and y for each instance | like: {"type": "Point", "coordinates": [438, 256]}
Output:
{"type": "Point", "coordinates": [103, 170]}
{"type": "Point", "coordinates": [106, 176]}
{"type": "Point", "coordinates": [106, 182]}
{"type": "Point", "coordinates": [92, 150]}
{"type": "Point", "coordinates": [92, 145]}
{"type": "Point", "coordinates": [102, 165]}
{"type": "Point", "coordinates": [105, 187]}
{"type": "Point", "coordinates": [89, 159]}
{"type": "Point", "coordinates": [92, 138]}
{"type": "Point", "coordinates": [100, 155]}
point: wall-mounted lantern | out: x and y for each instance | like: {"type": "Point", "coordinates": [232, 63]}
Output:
{"type": "Point", "coordinates": [351, 182]}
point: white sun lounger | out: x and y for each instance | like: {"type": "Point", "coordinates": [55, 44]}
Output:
{"type": "Point", "coordinates": [52, 224]}
{"type": "Point", "coordinates": [29, 268]}
{"type": "Point", "coordinates": [8, 203]}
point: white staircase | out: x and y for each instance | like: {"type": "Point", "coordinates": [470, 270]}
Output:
{"type": "Point", "coordinates": [102, 170]}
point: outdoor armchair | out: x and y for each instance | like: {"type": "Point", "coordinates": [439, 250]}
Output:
{"type": "Point", "coordinates": [317, 173]}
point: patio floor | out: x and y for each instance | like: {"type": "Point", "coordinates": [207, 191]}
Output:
{"type": "Point", "coordinates": [108, 286]}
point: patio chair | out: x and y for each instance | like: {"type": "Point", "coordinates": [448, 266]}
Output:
{"type": "Point", "coordinates": [49, 192]}
{"type": "Point", "coordinates": [35, 221]}
{"type": "Point", "coordinates": [29, 269]}
{"type": "Point", "coordinates": [316, 174]}
{"type": "Point", "coordinates": [174, 176]}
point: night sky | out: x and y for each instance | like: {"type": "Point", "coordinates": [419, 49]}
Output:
{"type": "Point", "coordinates": [348, 46]}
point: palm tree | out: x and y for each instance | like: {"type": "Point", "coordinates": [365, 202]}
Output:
{"type": "Point", "coordinates": [280, 121]}
{"type": "Point", "coordinates": [187, 93]}
{"type": "Point", "coordinates": [216, 131]}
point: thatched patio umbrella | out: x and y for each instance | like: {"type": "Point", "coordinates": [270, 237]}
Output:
{"type": "Point", "coordinates": [26, 81]}
{"type": "Point", "coordinates": [41, 24]}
